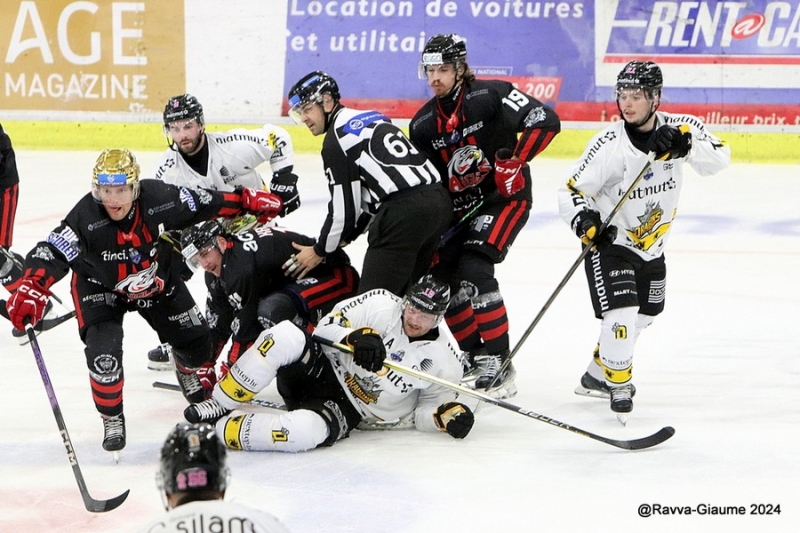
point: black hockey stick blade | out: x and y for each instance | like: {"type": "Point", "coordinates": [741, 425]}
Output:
{"type": "Point", "coordinates": [635, 444]}
{"type": "Point", "coordinates": [255, 401]}
{"type": "Point", "coordinates": [103, 506]}
{"type": "Point", "coordinates": [645, 442]}
{"type": "Point", "coordinates": [91, 504]}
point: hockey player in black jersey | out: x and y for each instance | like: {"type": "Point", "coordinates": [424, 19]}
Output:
{"type": "Point", "coordinates": [110, 241]}
{"type": "Point", "coordinates": [480, 134]}
{"type": "Point", "coordinates": [377, 178]}
{"type": "Point", "coordinates": [246, 284]}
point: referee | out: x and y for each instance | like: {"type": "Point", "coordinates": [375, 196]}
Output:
{"type": "Point", "coordinates": [378, 181]}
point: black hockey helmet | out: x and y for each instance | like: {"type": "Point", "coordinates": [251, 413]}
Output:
{"type": "Point", "coordinates": [429, 295]}
{"type": "Point", "coordinates": [644, 75]}
{"type": "Point", "coordinates": [181, 107]}
{"type": "Point", "coordinates": [193, 459]}
{"type": "Point", "coordinates": [310, 89]}
{"type": "Point", "coordinates": [195, 238]}
{"type": "Point", "coordinates": [443, 48]}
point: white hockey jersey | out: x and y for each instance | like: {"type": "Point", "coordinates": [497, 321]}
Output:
{"type": "Point", "coordinates": [233, 156]}
{"type": "Point", "coordinates": [215, 515]}
{"type": "Point", "coordinates": [389, 398]}
{"type": "Point", "coordinates": [611, 163]}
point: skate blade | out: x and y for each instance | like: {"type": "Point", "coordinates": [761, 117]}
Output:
{"type": "Point", "coordinates": [580, 390]}
{"type": "Point", "coordinates": [622, 418]}
{"type": "Point", "coordinates": [115, 456]}
{"type": "Point", "coordinates": [159, 367]}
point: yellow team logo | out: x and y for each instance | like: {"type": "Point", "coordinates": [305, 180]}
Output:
{"type": "Point", "coordinates": [280, 435]}
{"type": "Point", "coordinates": [232, 432]}
{"type": "Point", "coordinates": [651, 227]}
{"type": "Point", "coordinates": [620, 332]}
{"type": "Point", "coordinates": [265, 346]}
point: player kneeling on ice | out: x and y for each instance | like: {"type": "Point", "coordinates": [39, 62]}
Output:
{"type": "Point", "coordinates": [329, 392]}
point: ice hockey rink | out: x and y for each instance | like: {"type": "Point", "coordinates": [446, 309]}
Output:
{"type": "Point", "coordinates": [721, 365]}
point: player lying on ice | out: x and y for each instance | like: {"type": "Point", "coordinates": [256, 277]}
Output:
{"type": "Point", "coordinates": [329, 392]}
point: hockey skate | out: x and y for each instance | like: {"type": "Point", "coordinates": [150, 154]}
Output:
{"type": "Point", "coordinates": [484, 369]}
{"type": "Point", "coordinates": [206, 411]}
{"type": "Point", "coordinates": [160, 358]}
{"type": "Point", "coordinates": [621, 402]}
{"type": "Point", "coordinates": [595, 388]}
{"type": "Point", "coordinates": [190, 385]}
{"type": "Point", "coordinates": [50, 320]}
{"type": "Point", "coordinates": [114, 434]}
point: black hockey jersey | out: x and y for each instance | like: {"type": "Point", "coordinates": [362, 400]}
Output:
{"type": "Point", "coordinates": [252, 268]}
{"type": "Point", "coordinates": [486, 115]}
{"type": "Point", "coordinates": [126, 257]}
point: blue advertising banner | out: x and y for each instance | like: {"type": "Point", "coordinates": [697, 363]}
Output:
{"type": "Point", "coordinates": [729, 61]}
{"type": "Point", "coordinates": [373, 47]}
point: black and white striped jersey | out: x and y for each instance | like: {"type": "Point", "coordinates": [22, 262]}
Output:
{"type": "Point", "coordinates": [366, 159]}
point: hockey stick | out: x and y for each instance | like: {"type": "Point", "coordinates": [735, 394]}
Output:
{"type": "Point", "coordinates": [635, 444]}
{"type": "Point", "coordinates": [255, 401]}
{"type": "Point", "coordinates": [650, 158]}
{"type": "Point", "coordinates": [92, 505]}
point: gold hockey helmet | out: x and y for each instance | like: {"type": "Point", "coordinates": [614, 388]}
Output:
{"type": "Point", "coordinates": [115, 168]}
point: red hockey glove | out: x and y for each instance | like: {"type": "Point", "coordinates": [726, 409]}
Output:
{"type": "Point", "coordinates": [454, 418]}
{"type": "Point", "coordinates": [263, 204]}
{"type": "Point", "coordinates": [27, 304]}
{"type": "Point", "coordinates": [508, 173]}
{"type": "Point", "coordinates": [368, 349]}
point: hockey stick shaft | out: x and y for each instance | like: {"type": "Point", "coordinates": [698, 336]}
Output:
{"type": "Point", "coordinates": [255, 401]}
{"type": "Point", "coordinates": [650, 158]}
{"type": "Point", "coordinates": [636, 444]}
{"type": "Point", "coordinates": [92, 505]}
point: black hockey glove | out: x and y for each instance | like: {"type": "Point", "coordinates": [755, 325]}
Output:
{"type": "Point", "coordinates": [454, 418]}
{"type": "Point", "coordinates": [368, 349]}
{"type": "Point", "coordinates": [585, 225]}
{"type": "Point", "coordinates": [284, 184]}
{"type": "Point", "coordinates": [669, 142]}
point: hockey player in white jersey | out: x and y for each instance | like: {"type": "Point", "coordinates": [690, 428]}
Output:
{"type": "Point", "coordinates": [192, 478]}
{"type": "Point", "coordinates": [626, 267]}
{"type": "Point", "coordinates": [328, 392]}
{"type": "Point", "coordinates": [222, 161]}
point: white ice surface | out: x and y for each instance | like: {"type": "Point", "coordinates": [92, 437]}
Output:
{"type": "Point", "coordinates": [721, 365]}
